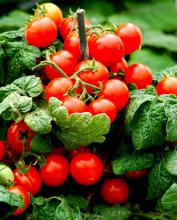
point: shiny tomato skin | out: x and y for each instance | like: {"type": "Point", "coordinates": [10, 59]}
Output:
{"type": "Point", "coordinates": [2, 150]}
{"type": "Point", "coordinates": [139, 74]}
{"type": "Point", "coordinates": [63, 59]}
{"type": "Point", "coordinates": [86, 168]}
{"type": "Point", "coordinates": [68, 24]}
{"type": "Point", "coordinates": [131, 36]}
{"type": "Point", "coordinates": [117, 92]}
{"type": "Point", "coordinates": [74, 105]}
{"type": "Point", "coordinates": [41, 32]}
{"type": "Point", "coordinates": [25, 196]}
{"type": "Point", "coordinates": [119, 66]}
{"type": "Point", "coordinates": [52, 11]}
{"type": "Point", "coordinates": [72, 44]}
{"type": "Point", "coordinates": [137, 173]}
{"type": "Point", "coordinates": [103, 105]}
{"type": "Point", "coordinates": [56, 170]}
{"type": "Point", "coordinates": [14, 137]}
{"type": "Point", "coordinates": [58, 88]}
{"type": "Point", "coordinates": [30, 180]}
{"type": "Point", "coordinates": [114, 191]}
{"type": "Point", "coordinates": [108, 48]}
{"type": "Point", "coordinates": [167, 85]}
{"type": "Point", "coordinates": [77, 151]}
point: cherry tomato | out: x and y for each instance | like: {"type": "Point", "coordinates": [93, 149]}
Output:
{"type": "Point", "coordinates": [41, 32]}
{"type": "Point", "coordinates": [16, 135]}
{"type": "Point", "coordinates": [72, 44]}
{"type": "Point", "coordinates": [52, 11]}
{"type": "Point", "coordinates": [103, 105]}
{"type": "Point", "coordinates": [108, 48]}
{"type": "Point", "coordinates": [30, 180]}
{"type": "Point", "coordinates": [167, 85]}
{"type": "Point", "coordinates": [117, 92]}
{"type": "Point", "coordinates": [137, 173]}
{"type": "Point", "coordinates": [56, 170]}
{"type": "Point", "coordinates": [25, 196]}
{"type": "Point", "coordinates": [114, 191]}
{"type": "Point", "coordinates": [64, 60]}
{"type": "Point", "coordinates": [74, 104]}
{"type": "Point", "coordinates": [77, 151]}
{"type": "Point", "coordinates": [139, 74]}
{"type": "Point", "coordinates": [119, 67]}
{"type": "Point", "coordinates": [58, 88]}
{"type": "Point", "coordinates": [131, 36]}
{"type": "Point", "coordinates": [86, 168]}
{"type": "Point", "coordinates": [2, 150]}
{"type": "Point", "coordinates": [96, 76]}
{"type": "Point", "coordinates": [68, 25]}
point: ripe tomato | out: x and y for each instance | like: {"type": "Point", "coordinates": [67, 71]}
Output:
{"type": "Point", "coordinates": [25, 196]}
{"type": "Point", "coordinates": [68, 25]}
{"type": "Point", "coordinates": [103, 105]}
{"type": "Point", "coordinates": [167, 85]}
{"type": "Point", "coordinates": [139, 74]}
{"type": "Point", "coordinates": [63, 59]}
{"type": "Point", "coordinates": [86, 168]}
{"type": "Point", "coordinates": [55, 171]}
{"type": "Point", "coordinates": [74, 104]}
{"type": "Point", "coordinates": [16, 134]}
{"type": "Point", "coordinates": [131, 36]}
{"type": "Point", "coordinates": [30, 180]}
{"type": "Point", "coordinates": [41, 32]}
{"type": "Point", "coordinates": [77, 151]}
{"type": "Point", "coordinates": [117, 92]}
{"type": "Point", "coordinates": [99, 75]}
{"type": "Point", "coordinates": [119, 67]}
{"type": "Point", "coordinates": [137, 173]}
{"type": "Point", "coordinates": [52, 11]}
{"type": "Point", "coordinates": [2, 150]}
{"type": "Point", "coordinates": [114, 191]}
{"type": "Point", "coordinates": [72, 44]}
{"type": "Point", "coordinates": [58, 87]}
{"type": "Point", "coordinates": [107, 48]}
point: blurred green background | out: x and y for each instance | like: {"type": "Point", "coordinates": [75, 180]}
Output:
{"type": "Point", "coordinates": [156, 18]}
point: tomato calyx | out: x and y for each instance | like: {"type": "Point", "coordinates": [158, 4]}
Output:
{"type": "Point", "coordinates": [41, 10]}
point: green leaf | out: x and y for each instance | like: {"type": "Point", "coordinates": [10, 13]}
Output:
{"type": "Point", "coordinates": [171, 71]}
{"type": "Point", "coordinates": [77, 201]}
{"type": "Point", "coordinates": [116, 212]}
{"type": "Point", "coordinates": [132, 162]}
{"type": "Point", "coordinates": [39, 121]}
{"type": "Point", "coordinates": [171, 164]}
{"type": "Point", "coordinates": [2, 68]}
{"type": "Point", "coordinates": [63, 212]}
{"type": "Point", "coordinates": [169, 199]}
{"type": "Point", "coordinates": [41, 144]}
{"type": "Point", "coordinates": [78, 129]}
{"type": "Point", "coordinates": [148, 124]}
{"type": "Point", "coordinates": [12, 35]}
{"type": "Point", "coordinates": [159, 180]}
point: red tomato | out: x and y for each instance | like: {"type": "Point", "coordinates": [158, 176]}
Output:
{"type": "Point", "coordinates": [52, 11]}
{"type": "Point", "coordinates": [108, 48]}
{"type": "Point", "coordinates": [86, 168]}
{"type": "Point", "coordinates": [72, 44]}
{"type": "Point", "coordinates": [117, 92]}
{"type": "Point", "coordinates": [58, 88]}
{"type": "Point", "coordinates": [131, 36]}
{"type": "Point", "coordinates": [56, 170]}
{"type": "Point", "coordinates": [95, 77]}
{"type": "Point", "coordinates": [119, 67]}
{"type": "Point", "coordinates": [77, 151]}
{"type": "Point", "coordinates": [103, 105]}
{"type": "Point", "coordinates": [68, 25]}
{"type": "Point", "coordinates": [30, 180]}
{"type": "Point", "coordinates": [74, 104]}
{"type": "Point", "coordinates": [2, 150]}
{"type": "Point", "coordinates": [167, 85]}
{"type": "Point", "coordinates": [139, 74]}
{"type": "Point", "coordinates": [25, 196]}
{"type": "Point", "coordinates": [63, 59]}
{"type": "Point", "coordinates": [16, 134]}
{"type": "Point", "coordinates": [114, 191]}
{"type": "Point", "coordinates": [137, 173]}
{"type": "Point", "coordinates": [41, 32]}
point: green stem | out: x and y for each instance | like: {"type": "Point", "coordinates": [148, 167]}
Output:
{"type": "Point", "coordinates": [80, 71]}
